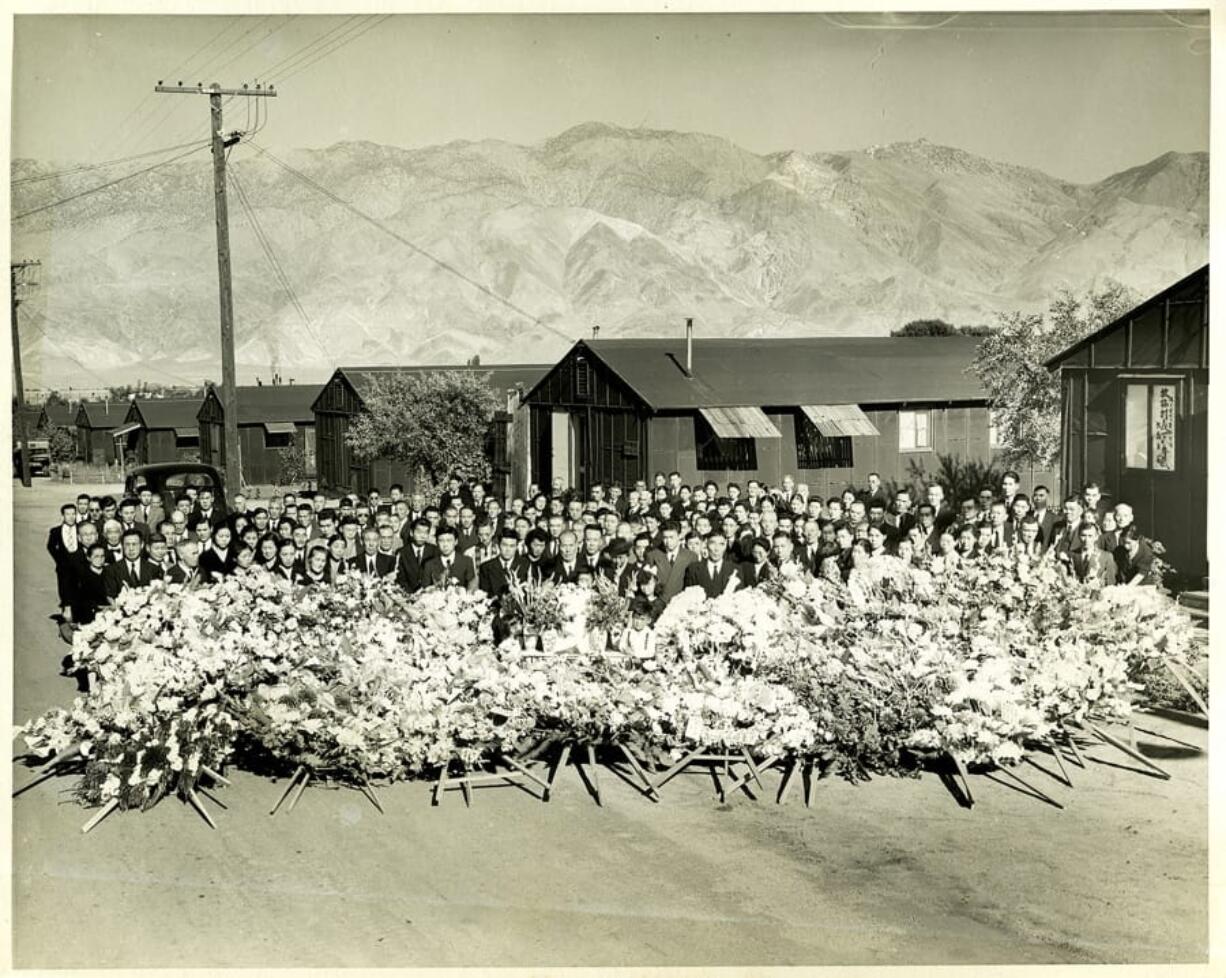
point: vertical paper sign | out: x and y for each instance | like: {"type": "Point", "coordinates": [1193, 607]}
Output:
{"type": "Point", "coordinates": [1164, 406]}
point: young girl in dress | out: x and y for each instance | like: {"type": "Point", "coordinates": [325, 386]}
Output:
{"type": "Point", "coordinates": [639, 640]}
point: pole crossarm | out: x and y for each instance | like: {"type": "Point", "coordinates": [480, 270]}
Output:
{"type": "Point", "coordinates": [263, 91]}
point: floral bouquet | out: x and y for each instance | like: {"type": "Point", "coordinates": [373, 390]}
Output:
{"type": "Point", "coordinates": [537, 605]}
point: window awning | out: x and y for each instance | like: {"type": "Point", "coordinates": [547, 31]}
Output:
{"type": "Point", "coordinates": [187, 432]}
{"type": "Point", "coordinates": [279, 427]}
{"type": "Point", "coordinates": [833, 420]}
{"type": "Point", "coordinates": [740, 422]}
{"type": "Point", "coordinates": [124, 430]}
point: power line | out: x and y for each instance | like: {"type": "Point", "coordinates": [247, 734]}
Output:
{"type": "Point", "coordinates": [163, 114]}
{"type": "Point", "coordinates": [270, 254]}
{"type": "Point", "coordinates": [348, 40]}
{"type": "Point", "coordinates": [409, 244]}
{"type": "Point", "coordinates": [118, 130]}
{"type": "Point", "coordinates": [272, 70]}
{"type": "Point", "coordinates": [104, 186]}
{"type": "Point", "coordinates": [98, 166]}
{"type": "Point", "coordinates": [281, 26]}
{"type": "Point", "coordinates": [342, 34]}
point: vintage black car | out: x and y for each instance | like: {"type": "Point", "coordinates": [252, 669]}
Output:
{"type": "Point", "coordinates": [168, 479]}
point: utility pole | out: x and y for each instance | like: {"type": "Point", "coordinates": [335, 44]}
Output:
{"type": "Point", "coordinates": [19, 274]}
{"type": "Point", "coordinates": [221, 143]}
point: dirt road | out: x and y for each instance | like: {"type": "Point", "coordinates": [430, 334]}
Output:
{"type": "Point", "coordinates": [892, 872]}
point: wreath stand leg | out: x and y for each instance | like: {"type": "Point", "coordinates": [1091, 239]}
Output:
{"type": "Point", "coordinates": [563, 757]}
{"type": "Point", "coordinates": [465, 788]}
{"type": "Point", "coordinates": [1072, 745]}
{"type": "Point", "coordinates": [789, 779]}
{"type": "Point", "coordinates": [106, 810]}
{"type": "Point", "coordinates": [649, 789]}
{"type": "Point", "coordinates": [592, 772]}
{"type": "Point", "coordinates": [1042, 796]}
{"type": "Point", "coordinates": [808, 779]}
{"type": "Point", "coordinates": [966, 781]}
{"type": "Point", "coordinates": [50, 769]}
{"type": "Point", "coordinates": [214, 775]}
{"type": "Point", "coordinates": [676, 769]}
{"type": "Point", "coordinates": [302, 786]}
{"type": "Point", "coordinates": [288, 788]}
{"type": "Point", "coordinates": [1055, 753]}
{"type": "Point", "coordinates": [369, 792]}
{"type": "Point", "coordinates": [440, 785]}
{"type": "Point", "coordinates": [199, 806]}
{"type": "Point", "coordinates": [528, 774]}
{"type": "Point", "coordinates": [754, 772]}
{"type": "Point", "coordinates": [1201, 704]}
{"type": "Point", "coordinates": [1121, 746]}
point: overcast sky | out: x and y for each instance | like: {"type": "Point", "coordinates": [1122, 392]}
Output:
{"type": "Point", "coordinates": [1077, 96]}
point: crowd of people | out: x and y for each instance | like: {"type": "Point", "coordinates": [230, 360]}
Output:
{"type": "Point", "coordinates": [651, 542]}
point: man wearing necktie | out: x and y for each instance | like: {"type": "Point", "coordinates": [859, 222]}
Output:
{"type": "Point", "coordinates": [1091, 563]}
{"type": "Point", "coordinates": [717, 573]}
{"type": "Point", "coordinates": [186, 570]}
{"type": "Point", "coordinates": [672, 561]}
{"type": "Point", "coordinates": [371, 562]}
{"type": "Point", "coordinates": [417, 552]}
{"type": "Point", "coordinates": [62, 545]}
{"type": "Point", "coordinates": [448, 567]}
{"type": "Point", "coordinates": [566, 566]}
{"type": "Point", "coordinates": [132, 569]}
{"type": "Point", "coordinates": [495, 576]}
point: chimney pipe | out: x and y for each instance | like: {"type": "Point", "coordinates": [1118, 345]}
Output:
{"type": "Point", "coordinates": [689, 346]}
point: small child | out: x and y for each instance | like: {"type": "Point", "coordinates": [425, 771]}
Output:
{"type": "Point", "coordinates": [639, 640]}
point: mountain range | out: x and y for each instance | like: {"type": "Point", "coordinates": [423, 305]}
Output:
{"type": "Point", "coordinates": [511, 252]}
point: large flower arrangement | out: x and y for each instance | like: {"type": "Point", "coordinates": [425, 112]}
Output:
{"type": "Point", "coordinates": [360, 681]}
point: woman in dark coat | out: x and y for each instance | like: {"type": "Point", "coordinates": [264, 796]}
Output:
{"type": "Point", "coordinates": [220, 559]}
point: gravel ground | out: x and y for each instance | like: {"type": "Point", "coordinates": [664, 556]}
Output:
{"type": "Point", "coordinates": [889, 873]}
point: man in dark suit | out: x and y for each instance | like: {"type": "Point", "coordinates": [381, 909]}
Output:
{"type": "Point", "coordinates": [372, 562]}
{"type": "Point", "coordinates": [494, 576]}
{"type": "Point", "coordinates": [208, 507]}
{"type": "Point", "coordinates": [127, 518]}
{"type": "Point", "coordinates": [150, 510]}
{"type": "Point", "coordinates": [874, 493]}
{"type": "Point", "coordinates": [943, 515]}
{"type": "Point", "coordinates": [186, 569]}
{"type": "Point", "coordinates": [63, 544]}
{"type": "Point", "coordinates": [1092, 564]}
{"type": "Point", "coordinates": [414, 555]}
{"type": "Point", "coordinates": [1041, 512]}
{"type": "Point", "coordinates": [447, 566]}
{"type": "Point", "coordinates": [1065, 536]}
{"type": "Point", "coordinates": [671, 562]}
{"type": "Point", "coordinates": [593, 547]}
{"type": "Point", "coordinates": [717, 573]}
{"type": "Point", "coordinates": [1092, 499]}
{"type": "Point", "coordinates": [134, 570]}
{"type": "Point", "coordinates": [566, 564]}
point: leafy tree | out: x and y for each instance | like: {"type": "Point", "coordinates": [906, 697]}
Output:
{"type": "Point", "coordinates": [55, 397]}
{"type": "Point", "coordinates": [435, 423]}
{"type": "Point", "coordinates": [938, 327]}
{"type": "Point", "coordinates": [291, 466]}
{"type": "Point", "coordinates": [63, 446]}
{"type": "Point", "coordinates": [927, 327]}
{"type": "Point", "coordinates": [1011, 362]}
{"type": "Point", "coordinates": [961, 478]}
